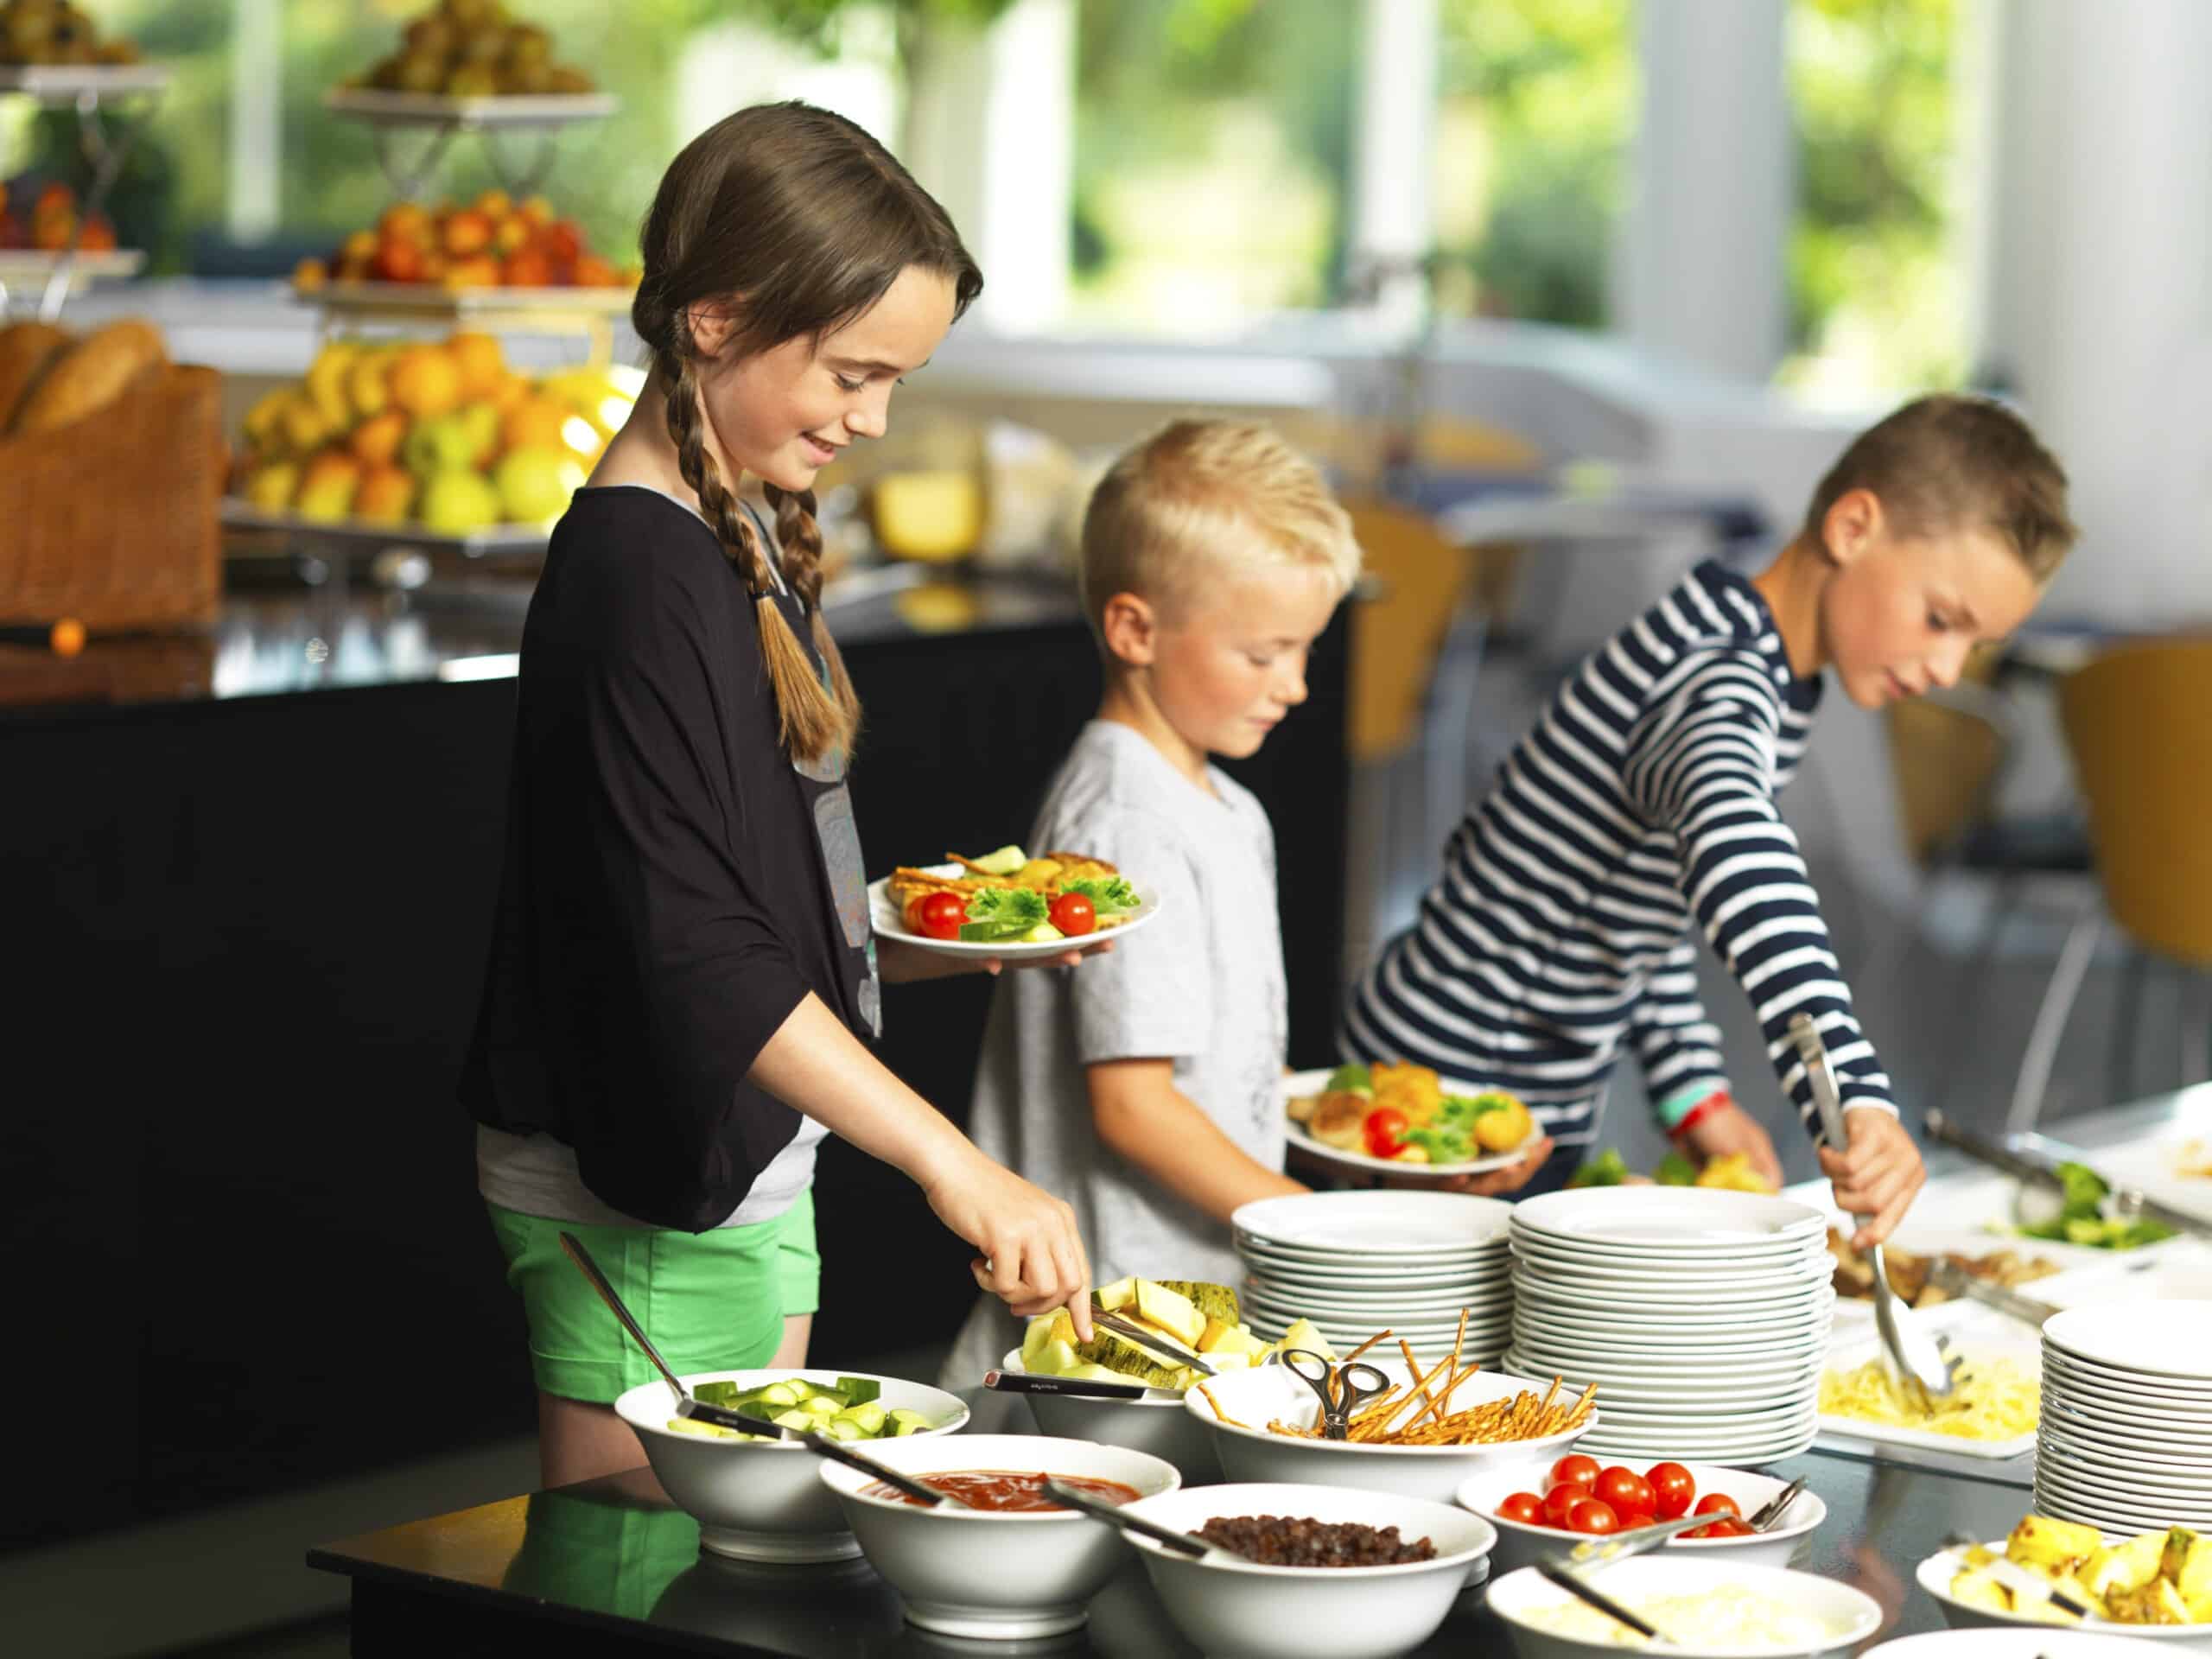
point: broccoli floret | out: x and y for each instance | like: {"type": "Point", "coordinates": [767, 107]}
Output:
{"type": "Point", "coordinates": [1608, 1168]}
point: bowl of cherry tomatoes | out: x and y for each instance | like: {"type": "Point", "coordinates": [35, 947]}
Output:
{"type": "Point", "coordinates": [1542, 1509]}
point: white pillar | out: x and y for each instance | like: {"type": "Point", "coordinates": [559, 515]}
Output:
{"type": "Point", "coordinates": [1392, 226]}
{"type": "Point", "coordinates": [990, 133]}
{"type": "Point", "coordinates": [2097, 310]}
{"type": "Point", "coordinates": [252, 198]}
{"type": "Point", "coordinates": [1701, 273]}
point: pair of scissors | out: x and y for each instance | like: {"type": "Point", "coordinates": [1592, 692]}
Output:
{"type": "Point", "coordinates": [1344, 1389]}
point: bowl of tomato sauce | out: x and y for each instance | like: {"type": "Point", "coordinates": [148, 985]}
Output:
{"type": "Point", "coordinates": [1014, 1564]}
{"type": "Point", "coordinates": [1536, 1514]}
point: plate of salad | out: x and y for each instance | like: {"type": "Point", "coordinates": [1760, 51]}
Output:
{"type": "Point", "coordinates": [1008, 903]}
{"type": "Point", "coordinates": [1408, 1117]}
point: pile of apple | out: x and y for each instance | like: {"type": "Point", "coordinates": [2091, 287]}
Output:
{"type": "Point", "coordinates": [45, 217]}
{"type": "Point", "coordinates": [492, 242]}
{"type": "Point", "coordinates": [440, 434]}
{"type": "Point", "coordinates": [473, 49]}
{"type": "Point", "coordinates": [56, 31]}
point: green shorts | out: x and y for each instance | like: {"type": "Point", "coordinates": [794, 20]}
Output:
{"type": "Point", "coordinates": [712, 1301]}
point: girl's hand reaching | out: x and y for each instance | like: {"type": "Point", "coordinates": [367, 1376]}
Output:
{"type": "Point", "coordinates": [1030, 1255]}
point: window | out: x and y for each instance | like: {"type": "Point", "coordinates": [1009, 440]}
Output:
{"type": "Point", "coordinates": [1877, 288]}
{"type": "Point", "coordinates": [1212, 145]}
{"type": "Point", "coordinates": [1535, 109]}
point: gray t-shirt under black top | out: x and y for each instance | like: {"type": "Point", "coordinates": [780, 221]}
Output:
{"type": "Point", "coordinates": [1201, 983]}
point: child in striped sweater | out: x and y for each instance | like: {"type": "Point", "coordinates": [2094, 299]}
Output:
{"type": "Point", "coordinates": [1639, 812]}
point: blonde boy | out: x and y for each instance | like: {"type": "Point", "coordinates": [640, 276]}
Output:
{"type": "Point", "coordinates": [1142, 1088]}
{"type": "Point", "coordinates": [1639, 812]}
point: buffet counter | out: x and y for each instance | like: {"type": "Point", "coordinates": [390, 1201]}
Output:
{"type": "Point", "coordinates": [604, 1568]}
{"type": "Point", "coordinates": [610, 1567]}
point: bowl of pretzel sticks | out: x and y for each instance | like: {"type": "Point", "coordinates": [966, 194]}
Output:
{"type": "Point", "coordinates": [1438, 1424]}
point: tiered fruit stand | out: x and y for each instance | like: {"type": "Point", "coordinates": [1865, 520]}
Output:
{"type": "Point", "coordinates": [112, 101]}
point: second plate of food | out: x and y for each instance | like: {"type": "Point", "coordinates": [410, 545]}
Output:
{"type": "Point", "coordinates": [1301, 1087]}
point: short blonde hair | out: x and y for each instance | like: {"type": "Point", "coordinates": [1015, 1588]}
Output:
{"type": "Point", "coordinates": [1199, 500]}
{"type": "Point", "coordinates": [1950, 462]}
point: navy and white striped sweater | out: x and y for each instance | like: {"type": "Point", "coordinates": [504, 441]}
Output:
{"type": "Point", "coordinates": [1640, 803]}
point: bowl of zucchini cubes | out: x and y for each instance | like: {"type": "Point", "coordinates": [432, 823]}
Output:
{"type": "Point", "coordinates": [757, 1498]}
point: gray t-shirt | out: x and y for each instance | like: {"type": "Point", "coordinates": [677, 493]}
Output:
{"type": "Point", "coordinates": [1201, 983]}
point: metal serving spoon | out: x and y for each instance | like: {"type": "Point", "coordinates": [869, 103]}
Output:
{"type": "Point", "coordinates": [1912, 1350]}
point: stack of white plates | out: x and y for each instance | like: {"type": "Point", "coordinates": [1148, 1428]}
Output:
{"type": "Point", "coordinates": [2126, 1442]}
{"type": "Point", "coordinates": [1701, 1316]}
{"type": "Point", "coordinates": [1356, 1263]}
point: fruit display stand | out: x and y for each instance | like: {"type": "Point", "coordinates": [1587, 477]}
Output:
{"type": "Point", "coordinates": [436, 121]}
{"type": "Point", "coordinates": [589, 312]}
{"type": "Point", "coordinates": [349, 536]}
{"type": "Point", "coordinates": [112, 101]}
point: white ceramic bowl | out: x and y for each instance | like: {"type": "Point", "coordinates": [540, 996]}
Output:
{"type": "Point", "coordinates": [1853, 1615]}
{"type": "Point", "coordinates": [1433, 1472]}
{"type": "Point", "coordinates": [759, 1500]}
{"type": "Point", "coordinates": [1162, 1427]}
{"type": "Point", "coordinates": [1249, 1612]}
{"type": "Point", "coordinates": [981, 1574]}
{"type": "Point", "coordinates": [1936, 1572]}
{"type": "Point", "coordinates": [2041, 1641]}
{"type": "Point", "coordinates": [1519, 1544]}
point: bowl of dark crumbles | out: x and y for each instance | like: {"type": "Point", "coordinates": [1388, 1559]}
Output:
{"type": "Point", "coordinates": [1358, 1575]}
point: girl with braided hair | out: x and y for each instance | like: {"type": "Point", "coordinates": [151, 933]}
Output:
{"type": "Point", "coordinates": [683, 972]}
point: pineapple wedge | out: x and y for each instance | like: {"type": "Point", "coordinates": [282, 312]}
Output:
{"type": "Point", "coordinates": [1977, 1586]}
{"type": "Point", "coordinates": [2040, 1543]}
{"type": "Point", "coordinates": [2155, 1603]}
{"type": "Point", "coordinates": [2125, 1566]}
{"type": "Point", "coordinates": [2186, 1563]}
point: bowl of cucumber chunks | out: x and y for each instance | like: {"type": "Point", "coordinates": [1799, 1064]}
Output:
{"type": "Point", "coordinates": [1175, 1320]}
{"type": "Point", "coordinates": [757, 1498]}
{"type": "Point", "coordinates": [2157, 1584]}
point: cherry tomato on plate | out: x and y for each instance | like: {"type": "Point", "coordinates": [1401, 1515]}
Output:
{"type": "Point", "coordinates": [1717, 1504]}
{"type": "Point", "coordinates": [1576, 1470]}
{"type": "Point", "coordinates": [1592, 1515]}
{"type": "Point", "coordinates": [1525, 1507]}
{"type": "Point", "coordinates": [1674, 1488]}
{"type": "Point", "coordinates": [1074, 914]}
{"type": "Point", "coordinates": [1383, 1127]}
{"type": "Point", "coordinates": [1560, 1500]}
{"type": "Point", "coordinates": [1628, 1492]}
{"type": "Point", "coordinates": [936, 915]}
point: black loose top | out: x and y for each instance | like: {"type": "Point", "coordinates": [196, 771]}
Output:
{"type": "Point", "coordinates": [673, 886]}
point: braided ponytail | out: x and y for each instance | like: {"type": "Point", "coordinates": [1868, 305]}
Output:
{"type": "Point", "coordinates": [813, 719]}
{"type": "Point", "coordinates": [800, 539]}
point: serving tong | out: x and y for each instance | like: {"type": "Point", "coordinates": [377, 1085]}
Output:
{"type": "Point", "coordinates": [743, 1423]}
{"type": "Point", "coordinates": [1914, 1353]}
{"type": "Point", "coordinates": [1153, 1339]}
{"type": "Point", "coordinates": [1113, 1515]}
{"type": "Point", "coordinates": [2128, 1203]}
{"type": "Point", "coordinates": [1600, 1552]}
{"type": "Point", "coordinates": [1344, 1389]}
{"type": "Point", "coordinates": [1955, 1280]}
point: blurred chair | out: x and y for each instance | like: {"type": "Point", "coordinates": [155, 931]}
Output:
{"type": "Point", "coordinates": [1417, 650]}
{"type": "Point", "coordinates": [2138, 726]}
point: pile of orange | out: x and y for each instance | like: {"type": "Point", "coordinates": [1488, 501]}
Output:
{"type": "Point", "coordinates": [46, 217]}
{"type": "Point", "coordinates": [492, 242]}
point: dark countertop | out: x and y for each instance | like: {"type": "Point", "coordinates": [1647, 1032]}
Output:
{"type": "Point", "coordinates": [606, 1566]}
{"type": "Point", "coordinates": [294, 640]}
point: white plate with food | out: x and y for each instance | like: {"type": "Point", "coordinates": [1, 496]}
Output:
{"type": "Point", "coordinates": [1334, 1130]}
{"type": "Point", "coordinates": [1006, 904]}
{"type": "Point", "coordinates": [1973, 1601]}
{"type": "Point", "coordinates": [1993, 1407]}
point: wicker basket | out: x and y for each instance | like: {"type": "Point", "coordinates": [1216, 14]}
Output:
{"type": "Point", "coordinates": [112, 519]}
